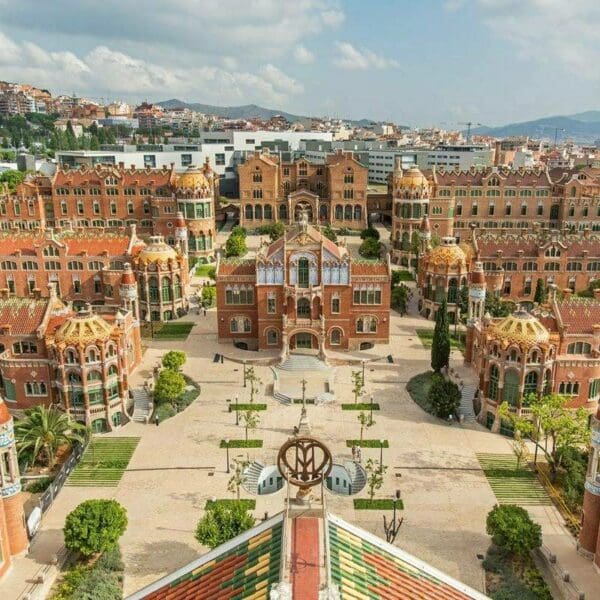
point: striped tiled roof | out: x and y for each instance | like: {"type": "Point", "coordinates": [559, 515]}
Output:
{"type": "Point", "coordinates": [364, 566]}
{"type": "Point", "coordinates": [244, 567]}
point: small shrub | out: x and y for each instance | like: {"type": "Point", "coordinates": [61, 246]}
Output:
{"type": "Point", "coordinates": [370, 232]}
{"type": "Point", "coordinates": [111, 560]}
{"type": "Point", "coordinates": [163, 412]}
{"type": "Point", "coordinates": [174, 360]}
{"type": "Point", "coordinates": [209, 295]}
{"type": "Point", "coordinates": [239, 230]}
{"type": "Point", "coordinates": [223, 522]}
{"type": "Point", "coordinates": [513, 530]}
{"type": "Point", "coordinates": [444, 397]}
{"type": "Point", "coordinates": [169, 386]}
{"type": "Point", "coordinates": [370, 248]}
{"type": "Point", "coordinates": [40, 485]}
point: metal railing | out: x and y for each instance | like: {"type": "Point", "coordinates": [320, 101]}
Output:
{"type": "Point", "coordinates": [571, 520]}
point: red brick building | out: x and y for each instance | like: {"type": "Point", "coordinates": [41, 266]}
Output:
{"type": "Point", "coordinates": [333, 193]}
{"type": "Point", "coordinates": [303, 292]}
{"type": "Point", "coordinates": [13, 533]}
{"type": "Point", "coordinates": [110, 197]}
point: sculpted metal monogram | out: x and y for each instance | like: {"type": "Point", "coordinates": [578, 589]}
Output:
{"type": "Point", "coordinates": [304, 461]}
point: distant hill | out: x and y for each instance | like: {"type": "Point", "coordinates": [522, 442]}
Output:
{"type": "Point", "coordinates": [247, 111]}
{"type": "Point", "coordinates": [582, 127]}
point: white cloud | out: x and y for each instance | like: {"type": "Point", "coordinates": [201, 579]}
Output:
{"type": "Point", "coordinates": [121, 74]}
{"type": "Point", "coordinates": [349, 57]}
{"type": "Point", "coordinates": [303, 55]}
{"type": "Point", "coordinates": [556, 32]}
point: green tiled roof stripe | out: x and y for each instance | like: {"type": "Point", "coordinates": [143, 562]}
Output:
{"type": "Point", "coordinates": [357, 549]}
{"type": "Point", "coordinates": [247, 583]}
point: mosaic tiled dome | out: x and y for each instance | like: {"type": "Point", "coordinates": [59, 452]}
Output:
{"type": "Point", "coordinates": [413, 178]}
{"type": "Point", "coordinates": [520, 328]}
{"type": "Point", "coordinates": [157, 250]}
{"type": "Point", "coordinates": [84, 328]}
{"type": "Point", "coordinates": [448, 253]}
{"type": "Point", "coordinates": [192, 179]}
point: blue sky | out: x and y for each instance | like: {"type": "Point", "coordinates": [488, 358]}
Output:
{"type": "Point", "coordinates": [417, 62]}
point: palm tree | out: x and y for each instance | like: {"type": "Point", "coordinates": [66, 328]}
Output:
{"type": "Point", "coordinates": [44, 430]}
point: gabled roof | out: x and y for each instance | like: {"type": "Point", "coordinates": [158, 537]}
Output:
{"type": "Point", "coordinates": [579, 315]}
{"type": "Point", "coordinates": [23, 315]}
{"type": "Point", "coordinates": [243, 567]}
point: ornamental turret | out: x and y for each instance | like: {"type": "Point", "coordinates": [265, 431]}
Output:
{"type": "Point", "coordinates": [181, 233]}
{"type": "Point", "coordinates": [477, 289]}
{"type": "Point", "coordinates": [128, 289]}
{"type": "Point", "coordinates": [12, 517]}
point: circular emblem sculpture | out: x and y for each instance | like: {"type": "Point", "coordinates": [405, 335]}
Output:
{"type": "Point", "coordinates": [305, 462]}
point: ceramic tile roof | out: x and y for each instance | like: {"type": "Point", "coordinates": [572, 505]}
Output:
{"type": "Point", "coordinates": [364, 566]}
{"type": "Point", "coordinates": [363, 268]}
{"type": "Point", "coordinates": [580, 314]}
{"type": "Point", "coordinates": [247, 267]}
{"type": "Point", "coordinates": [245, 567]}
{"type": "Point", "coordinates": [127, 176]}
{"type": "Point", "coordinates": [477, 177]}
{"type": "Point", "coordinates": [24, 315]}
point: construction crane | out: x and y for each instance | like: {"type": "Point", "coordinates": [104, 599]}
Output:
{"type": "Point", "coordinates": [469, 124]}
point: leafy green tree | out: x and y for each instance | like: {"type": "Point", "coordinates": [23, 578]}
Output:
{"type": "Point", "coordinates": [370, 248]}
{"type": "Point", "coordinates": [44, 430]}
{"type": "Point", "coordinates": [358, 385]}
{"type": "Point", "coordinates": [95, 526]}
{"type": "Point", "coordinates": [400, 297]}
{"type": "Point", "coordinates": [235, 245]}
{"type": "Point", "coordinates": [496, 306]}
{"type": "Point", "coordinates": [440, 346]}
{"type": "Point", "coordinates": [238, 477]}
{"type": "Point", "coordinates": [13, 178]}
{"type": "Point", "coordinates": [209, 295]}
{"type": "Point", "coordinates": [250, 419]}
{"type": "Point", "coordinates": [513, 530]}
{"type": "Point", "coordinates": [222, 522]}
{"type": "Point", "coordinates": [239, 230]}
{"type": "Point", "coordinates": [554, 427]}
{"type": "Point", "coordinates": [174, 360]}
{"type": "Point", "coordinates": [375, 472]}
{"type": "Point", "coordinates": [276, 231]}
{"type": "Point", "coordinates": [540, 292]}
{"type": "Point", "coordinates": [212, 273]}
{"type": "Point", "coordinates": [370, 232]}
{"type": "Point", "coordinates": [444, 396]}
{"type": "Point", "coordinates": [365, 422]}
{"type": "Point", "coordinates": [329, 233]}
{"type": "Point", "coordinates": [169, 386]}
{"type": "Point", "coordinates": [254, 380]}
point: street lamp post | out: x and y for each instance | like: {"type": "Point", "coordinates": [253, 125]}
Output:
{"type": "Point", "coordinates": [244, 372]}
{"type": "Point", "coordinates": [371, 410]}
{"type": "Point", "coordinates": [381, 442]}
{"type": "Point", "coordinates": [237, 412]}
{"type": "Point", "coordinates": [364, 360]}
{"type": "Point", "coordinates": [391, 529]}
{"type": "Point", "coordinates": [227, 451]}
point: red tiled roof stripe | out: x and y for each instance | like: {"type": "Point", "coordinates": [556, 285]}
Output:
{"type": "Point", "coordinates": [305, 552]}
{"type": "Point", "coordinates": [24, 315]}
{"type": "Point", "coordinates": [579, 316]}
{"type": "Point", "coordinates": [243, 268]}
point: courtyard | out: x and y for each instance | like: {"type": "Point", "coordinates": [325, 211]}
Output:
{"type": "Point", "coordinates": [180, 465]}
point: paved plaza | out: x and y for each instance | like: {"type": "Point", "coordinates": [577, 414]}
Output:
{"type": "Point", "coordinates": [178, 465]}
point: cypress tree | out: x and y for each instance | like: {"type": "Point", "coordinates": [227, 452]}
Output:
{"type": "Point", "coordinates": [440, 347]}
{"type": "Point", "coordinates": [540, 292]}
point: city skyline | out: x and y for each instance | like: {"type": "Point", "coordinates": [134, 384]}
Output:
{"type": "Point", "coordinates": [439, 63]}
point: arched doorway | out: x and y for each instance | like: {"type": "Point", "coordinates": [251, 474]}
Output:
{"type": "Point", "coordinates": [303, 340]}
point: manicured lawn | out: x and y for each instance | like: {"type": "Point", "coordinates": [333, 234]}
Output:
{"type": "Point", "coordinates": [178, 330]}
{"type": "Point", "coordinates": [241, 444]}
{"type": "Point", "coordinates": [509, 484]}
{"type": "Point", "coordinates": [247, 504]}
{"type": "Point", "coordinates": [361, 406]}
{"type": "Point", "coordinates": [104, 462]}
{"type": "Point", "coordinates": [426, 337]}
{"type": "Point", "coordinates": [367, 443]}
{"type": "Point", "coordinates": [377, 504]}
{"type": "Point", "coordinates": [248, 406]}
{"type": "Point", "coordinates": [418, 388]}
{"type": "Point", "coordinates": [404, 276]}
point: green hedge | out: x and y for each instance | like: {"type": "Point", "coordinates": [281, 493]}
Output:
{"type": "Point", "coordinates": [248, 406]}
{"type": "Point", "coordinates": [247, 504]}
{"type": "Point", "coordinates": [361, 406]}
{"type": "Point", "coordinates": [377, 504]}
{"type": "Point", "coordinates": [241, 444]}
{"type": "Point", "coordinates": [367, 443]}
{"type": "Point", "coordinates": [39, 485]}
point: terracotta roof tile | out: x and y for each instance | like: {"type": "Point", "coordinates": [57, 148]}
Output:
{"type": "Point", "coordinates": [375, 268]}
{"type": "Point", "coordinates": [24, 315]}
{"type": "Point", "coordinates": [579, 314]}
{"type": "Point", "coordinates": [247, 267]}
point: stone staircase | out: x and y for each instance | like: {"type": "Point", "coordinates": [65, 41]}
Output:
{"type": "Point", "coordinates": [252, 476]}
{"type": "Point", "coordinates": [466, 403]}
{"type": "Point", "coordinates": [303, 362]}
{"type": "Point", "coordinates": [357, 476]}
{"type": "Point", "coordinates": [142, 405]}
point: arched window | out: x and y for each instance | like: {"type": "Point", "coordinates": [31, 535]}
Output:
{"type": "Point", "coordinates": [112, 370]}
{"type": "Point", "coordinates": [166, 289]}
{"type": "Point", "coordinates": [357, 212]}
{"type": "Point", "coordinates": [268, 212]}
{"type": "Point", "coordinates": [552, 251]}
{"type": "Point", "coordinates": [554, 211]}
{"type": "Point", "coordinates": [94, 376]}
{"type": "Point", "coordinates": [535, 357]}
{"type": "Point", "coordinates": [303, 272]}
{"type": "Point", "coordinates": [258, 212]}
{"type": "Point", "coordinates": [303, 308]}
{"type": "Point", "coordinates": [366, 325]}
{"type": "Point", "coordinates": [513, 355]}
{"type": "Point", "coordinates": [50, 251]}
{"type": "Point", "coordinates": [493, 386]}
{"type": "Point", "coordinates": [153, 289]}
{"type": "Point", "coordinates": [177, 287]}
{"type": "Point", "coordinates": [283, 213]}
{"type": "Point", "coordinates": [573, 192]}
{"type": "Point", "coordinates": [348, 212]}
{"type": "Point", "coordinates": [339, 212]}
{"type": "Point", "coordinates": [71, 357]}
{"type": "Point", "coordinates": [452, 291]}
{"type": "Point", "coordinates": [579, 348]}
{"type": "Point", "coordinates": [272, 337]}
{"type": "Point", "coordinates": [335, 337]}
{"type": "Point", "coordinates": [248, 212]}
{"type": "Point", "coordinates": [74, 378]}
{"type": "Point", "coordinates": [531, 383]}
{"type": "Point", "coordinates": [511, 388]}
